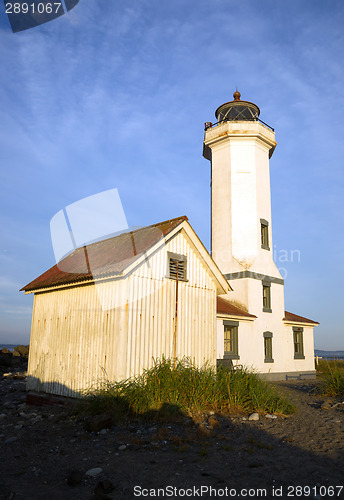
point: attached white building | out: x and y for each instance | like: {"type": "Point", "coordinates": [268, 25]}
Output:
{"type": "Point", "coordinates": [109, 309]}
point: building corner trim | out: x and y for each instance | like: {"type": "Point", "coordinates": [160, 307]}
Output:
{"type": "Point", "coordinates": [255, 276]}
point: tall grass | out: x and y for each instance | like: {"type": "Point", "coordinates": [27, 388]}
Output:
{"type": "Point", "coordinates": [177, 387]}
{"type": "Point", "coordinates": [332, 375]}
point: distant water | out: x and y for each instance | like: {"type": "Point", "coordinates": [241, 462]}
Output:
{"type": "Point", "coordinates": [329, 354]}
{"type": "Point", "coordinates": [329, 358]}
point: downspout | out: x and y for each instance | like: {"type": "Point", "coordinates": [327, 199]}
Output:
{"type": "Point", "coordinates": [176, 320]}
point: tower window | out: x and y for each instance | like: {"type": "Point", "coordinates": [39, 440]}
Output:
{"type": "Point", "coordinates": [266, 297]}
{"type": "Point", "coordinates": [268, 347]}
{"type": "Point", "coordinates": [298, 343]}
{"type": "Point", "coordinates": [264, 234]}
{"type": "Point", "coordinates": [231, 348]}
{"type": "Point", "coordinates": [177, 266]}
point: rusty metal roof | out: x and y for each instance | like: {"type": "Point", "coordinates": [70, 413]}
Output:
{"type": "Point", "coordinates": [225, 307]}
{"type": "Point", "coordinates": [104, 258]}
{"type": "Point", "coordinates": [298, 319]}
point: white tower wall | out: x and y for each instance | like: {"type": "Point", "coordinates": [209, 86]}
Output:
{"type": "Point", "coordinates": [240, 180]}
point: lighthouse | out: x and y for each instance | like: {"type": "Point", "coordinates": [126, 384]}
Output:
{"type": "Point", "coordinates": [274, 342]}
{"type": "Point", "coordinates": [177, 301]}
{"type": "Point", "coordinates": [239, 147]}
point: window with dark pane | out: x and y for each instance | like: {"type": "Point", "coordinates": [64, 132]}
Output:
{"type": "Point", "coordinates": [268, 347]}
{"type": "Point", "coordinates": [238, 112]}
{"type": "Point", "coordinates": [266, 297]}
{"type": "Point", "coordinates": [231, 349]}
{"type": "Point", "coordinates": [264, 234]}
{"type": "Point", "coordinates": [298, 343]}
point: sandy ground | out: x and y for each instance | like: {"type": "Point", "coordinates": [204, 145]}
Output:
{"type": "Point", "coordinates": [46, 453]}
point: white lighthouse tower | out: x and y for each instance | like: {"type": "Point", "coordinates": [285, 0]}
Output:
{"type": "Point", "coordinates": [239, 147]}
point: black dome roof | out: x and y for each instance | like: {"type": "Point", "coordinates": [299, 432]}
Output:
{"type": "Point", "coordinates": [237, 110]}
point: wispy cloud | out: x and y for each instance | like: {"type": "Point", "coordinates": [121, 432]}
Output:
{"type": "Point", "coordinates": [22, 310]}
{"type": "Point", "coordinates": [115, 95]}
{"type": "Point", "coordinates": [7, 283]}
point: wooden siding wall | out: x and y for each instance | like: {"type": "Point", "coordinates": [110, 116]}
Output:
{"type": "Point", "coordinates": [115, 329]}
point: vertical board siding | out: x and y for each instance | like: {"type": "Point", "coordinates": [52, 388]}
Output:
{"type": "Point", "coordinates": [114, 330]}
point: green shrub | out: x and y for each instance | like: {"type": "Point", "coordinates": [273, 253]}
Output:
{"type": "Point", "coordinates": [246, 390]}
{"type": "Point", "coordinates": [332, 374]}
{"type": "Point", "coordinates": [324, 365]}
{"type": "Point", "coordinates": [177, 387]}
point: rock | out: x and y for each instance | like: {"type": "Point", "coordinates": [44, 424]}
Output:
{"type": "Point", "coordinates": [104, 487]}
{"type": "Point", "coordinates": [11, 440]}
{"type": "Point", "coordinates": [36, 419]}
{"type": "Point", "coordinates": [94, 472]}
{"type": "Point", "coordinates": [270, 416]}
{"type": "Point", "coordinates": [6, 493]}
{"type": "Point", "coordinates": [100, 496]}
{"type": "Point", "coordinates": [213, 422]}
{"type": "Point", "coordinates": [338, 405]}
{"type": "Point", "coordinates": [5, 359]}
{"type": "Point", "coordinates": [122, 447]}
{"type": "Point", "coordinates": [203, 431]}
{"type": "Point", "coordinates": [288, 439]}
{"type": "Point", "coordinates": [98, 422]}
{"type": "Point", "coordinates": [74, 477]}
{"type": "Point", "coordinates": [254, 416]}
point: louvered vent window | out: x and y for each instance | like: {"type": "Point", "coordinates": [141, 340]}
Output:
{"type": "Point", "coordinates": [177, 267]}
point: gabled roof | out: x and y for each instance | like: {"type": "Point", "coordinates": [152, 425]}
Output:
{"type": "Point", "coordinates": [119, 255]}
{"type": "Point", "coordinates": [294, 318]}
{"type": "Point", "coordinates": [108, 257]}
{"type": "Point", "coordinates": [225, 307]}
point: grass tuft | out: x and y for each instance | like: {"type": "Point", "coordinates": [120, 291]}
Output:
{"type": "Point", "coordinates": [176, 388]}
{"type": "Point", "coordinates": [332, 375]}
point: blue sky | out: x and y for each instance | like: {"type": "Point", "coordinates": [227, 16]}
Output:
{"type": "Point", "coordinates": [115, 95]}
